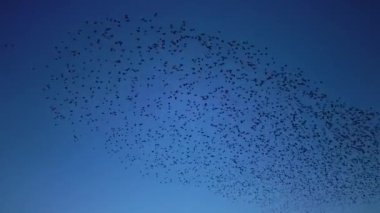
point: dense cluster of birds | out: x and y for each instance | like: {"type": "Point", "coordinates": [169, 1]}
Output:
{"type": "Point", "coordinates": [190, 107]}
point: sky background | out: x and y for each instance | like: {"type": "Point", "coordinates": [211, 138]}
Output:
{"type": "Point", "coordinates": [43, 170]}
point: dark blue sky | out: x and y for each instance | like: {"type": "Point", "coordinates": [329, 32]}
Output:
{"type": "Point", "coordinates": [42, 170]}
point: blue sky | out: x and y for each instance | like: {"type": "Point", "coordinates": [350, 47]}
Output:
{"type": "Point", "coordinates": [43, 170]}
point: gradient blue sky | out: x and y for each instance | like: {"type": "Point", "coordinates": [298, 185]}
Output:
{"type": "Point", "coordinates": [43, 170]}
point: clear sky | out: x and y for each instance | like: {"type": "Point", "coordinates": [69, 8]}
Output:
{"type": "Point", "coordinates": [43, 170]}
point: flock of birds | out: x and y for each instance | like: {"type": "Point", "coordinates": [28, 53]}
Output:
{"type": "Point", "coordinates": [190, 107]}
